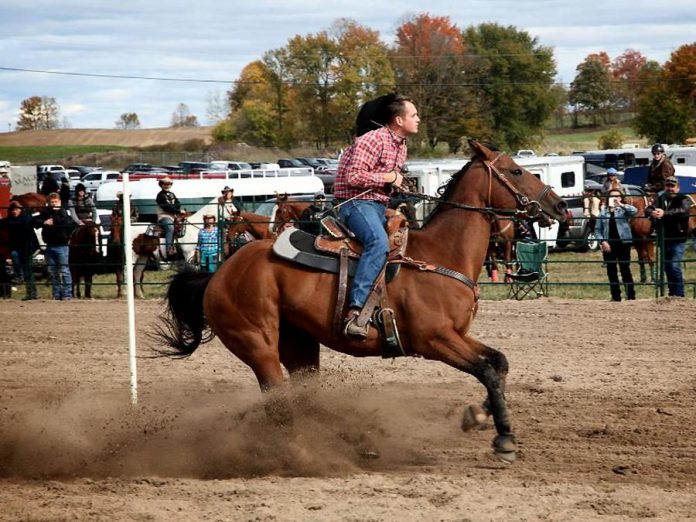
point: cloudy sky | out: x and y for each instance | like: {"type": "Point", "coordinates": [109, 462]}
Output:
{"type": "Point", "coordinates": [213, 40]}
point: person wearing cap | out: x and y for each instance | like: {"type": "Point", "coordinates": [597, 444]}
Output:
{"type": "Point", "coordinates": [206, 254]}
{"type": "Point", "coordinates": [23, 244]}
{"type": "Point", "coordinates": [229, 205]}
{"type": "Point", "coordinates": [310, 219]}
{"type": "Point", "coordinates": [671, 210]}
{"type": "Point", "coordinates": [660, 169]}
{"type": "Point", "coordinates": [612, 181]}
{"type": "Point", "coordinates": [168, 209]}
{"type": "Point", "coordinates": [613, 231]}
{"type": "Point", "coordinates": [367, 174]}
{"type": "Point", "coordinates": [81, 207]}
{"type": "Point", "coordinates": [117, 209]}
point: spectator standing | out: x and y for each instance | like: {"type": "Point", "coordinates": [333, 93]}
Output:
{"type": "Point", "coordinates": [612, 181]}
{"type": "Point", "coordinates": [169, 208]}
{"type": "Point", "coordinates": [672, 210]}
{"type": "Point", "coordinates": [367, 173]}
{"type": "Point", "coordinates": [49, 186]}
{"type": "Point", "coordinates": [311, 216]}
{"type": "Point", "coordinates": [23, 244]}
{"type": "Point", "coordinates": [660, 169]}
{"type": "Point", "coordinates": [56, 228]}
{"type": "Point", "coordinates": [207, 246]}
{"type": "Point", "coordinates": [64, 192]}
{"type": "Point", "coordinates": [613, 231]}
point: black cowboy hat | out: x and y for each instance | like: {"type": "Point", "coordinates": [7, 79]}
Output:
{"type": "Point", "coordinates": [227, 189]}
{"type": "Point", "coordinates": [373, 114]}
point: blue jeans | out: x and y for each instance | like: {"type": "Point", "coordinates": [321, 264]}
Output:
{"type": "Point", "coordinates": [209, 261]}
{"type": "Point", "coordinates": [18, 264]}
{"type": "Point", "coordinates": [366, 219]}
{"type": "Point", "coordinates": [674, 252]}
{"type": "Point", "coordinates": [168, 225]}
{"type": "Point", "coordinates": [58, 269]}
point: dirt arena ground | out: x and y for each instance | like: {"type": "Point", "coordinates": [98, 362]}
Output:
{"type": "Point", "coordinates": [601, 395]}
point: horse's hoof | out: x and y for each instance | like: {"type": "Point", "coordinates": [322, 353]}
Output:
{"type": "Point", "coordinates": [474, 415]}
{"type": "Point", "coordinates": [508, 457]}
{"type": "Point", "coordinates": [503, 445]}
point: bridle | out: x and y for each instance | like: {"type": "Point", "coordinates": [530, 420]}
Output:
{"type": "Point", "coordinates": [525, 208]}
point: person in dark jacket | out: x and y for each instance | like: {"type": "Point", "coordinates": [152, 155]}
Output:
{"type": "Point", "coordinates": [82, 208]}
{"type": "Point", "coordinates": [660, 169]}
{"type": "Point", "coordinates": [671, 210]}
{"type": "Point", "coordinates": [311, 216]}
{"type": "Point", "coordinates": [168, 208]}
{"type": "Point", "coordinates": [49, 186]}
{"type": "Point", "coordinates": [23, 244]}
{"type": "Point", "coordinates": [64, 192]}
{"type": "Point", "coordinates": [56, 228]}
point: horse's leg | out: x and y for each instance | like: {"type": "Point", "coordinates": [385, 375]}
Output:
{"type": "Point", "coordinates": [298, 350]}
{"type": "Point", "coordinates": [76, 273]}
{"type": "Point", "coordinates": [138, 275]}
{"type": "Point", "coordinates": [490, 367]}
{"type": "Point", "coordinates": [88, 283]}
{"type": "Point", "coordinates": [119, 282]}
{"type": "Point", "coordinates": [650, 255]}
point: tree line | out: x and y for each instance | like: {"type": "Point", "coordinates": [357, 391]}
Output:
{"type": "Point", "coordinates": [494, 82]}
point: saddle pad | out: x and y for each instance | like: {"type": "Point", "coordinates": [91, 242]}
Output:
{"type": "Point", "coordinates": [298, 246]}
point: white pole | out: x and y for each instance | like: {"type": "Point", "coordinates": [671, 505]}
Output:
{"type": "Point", "coordinates": [130, 293]}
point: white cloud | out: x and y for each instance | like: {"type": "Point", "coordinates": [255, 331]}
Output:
{"type": "Point", "coordinates": [214, 40]}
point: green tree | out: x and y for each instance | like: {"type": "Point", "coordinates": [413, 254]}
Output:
{"type": "Point", "coordinates": [610, 140]}
{"type": "Point", "coordinates": [591, 90]}
{"type": "Point", "coordinates": [37, 113]}
{"type": "Point", "coordinates": [128, 120]}
{"type": "Point", "coordinates": [514, 75]}
{"type": "Point", "coordinates": [663, 116]}
{"type": "Point", "coordinates": [312, 67]}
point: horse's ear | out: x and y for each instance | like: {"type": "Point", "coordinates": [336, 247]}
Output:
{"type": "Point", "coordinates": [479, 149]}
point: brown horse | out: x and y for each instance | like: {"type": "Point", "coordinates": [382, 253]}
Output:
{"type": "Point", "coordinates": [34, 201]}
{"type": "Point", "coordinates": [501, 246]}
{"type": "Point", "coordinates": [84, 258]}
{"type": "Point", "coordinates": [642, 240]}
{"type": "Point", "coordinates": [273, 313]}
{"type": "Point", "coordinates": [245, 227]}
{"type": "Point", "coordinates": [114, 252]}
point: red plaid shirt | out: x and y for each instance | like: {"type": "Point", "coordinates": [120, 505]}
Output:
{"type": "Point", "coordinates": [363, 164]}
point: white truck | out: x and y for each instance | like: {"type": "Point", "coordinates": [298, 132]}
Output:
{"type": "Point", "coordinates": [93, 180]}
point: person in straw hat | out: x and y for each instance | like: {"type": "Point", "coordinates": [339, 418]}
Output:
{"type": "Point", "coordinates": [206, 254]}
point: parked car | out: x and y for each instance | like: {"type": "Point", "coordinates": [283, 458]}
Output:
{"type": "Point", "coordinates": [309, 162]}
{"type": "Point", "coordinates": [92, 180]}
{"type": "Point", "coordinates": [285, 163]}
{"type": "Point", "coordinates": [84, 169]}
{"type": "Point", "coordinates": [73, 174]}
{"type": "Point", "coordinates": [56, 172]}
{"type": "Point", "coordinates": [193, 167]}
{"type": "Point", "coordinates": [229, 165]}
{"type": "Point", "coordinates": [138, 167]}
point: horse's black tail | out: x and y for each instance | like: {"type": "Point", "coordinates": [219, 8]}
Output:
{"type": "Point", "coordinates": [184, 325]}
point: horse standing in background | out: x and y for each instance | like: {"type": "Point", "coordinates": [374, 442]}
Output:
{"type": "Point", "coordinates": [84, 258]}
{"type": "Point", "coordinates": [115, 257]}
{"type": "Point", "coordinates": [33, 201]}
{"type": "Point", "coordinates": [643, 242]}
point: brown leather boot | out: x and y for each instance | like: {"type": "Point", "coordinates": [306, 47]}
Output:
{"type": "Point", "coordinates": [352, 328]}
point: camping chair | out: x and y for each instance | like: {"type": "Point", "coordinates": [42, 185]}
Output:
{"type": "Point", "coordinates": [531, 276]}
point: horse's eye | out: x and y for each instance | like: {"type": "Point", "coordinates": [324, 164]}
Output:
{"type": "Point", "coordinates": [517, 172]}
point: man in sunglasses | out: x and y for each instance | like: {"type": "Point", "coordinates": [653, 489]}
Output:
{"type": "Point", "coordinates": [661, 168]}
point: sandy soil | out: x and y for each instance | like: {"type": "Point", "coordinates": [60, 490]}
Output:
{"type": "Point", "coordinates": [601, 396]}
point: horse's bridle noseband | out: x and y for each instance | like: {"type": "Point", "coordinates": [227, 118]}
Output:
{"type": "Point", "coordinates": [531, 209]}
